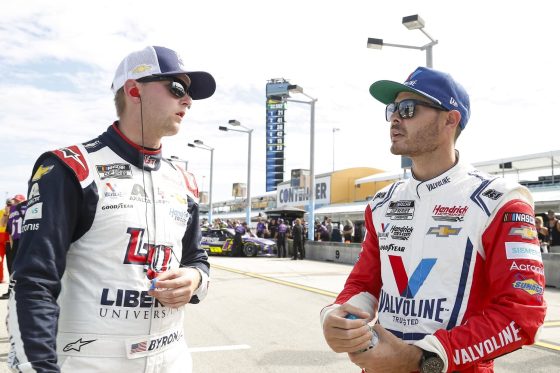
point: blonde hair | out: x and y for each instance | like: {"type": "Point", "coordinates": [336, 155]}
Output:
{"type": "Point", "coordinates": [539, 219]}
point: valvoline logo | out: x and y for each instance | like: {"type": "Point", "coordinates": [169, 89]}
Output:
{"type": "Point", "coordinates": [408, 286]}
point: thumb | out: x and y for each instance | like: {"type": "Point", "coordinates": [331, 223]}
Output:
{"type": "Point", "coordinates": [358, 312]}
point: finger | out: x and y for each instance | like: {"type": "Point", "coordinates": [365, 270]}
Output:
{"type": "Point", "coordinates": [358, 312]}
{"type": "Point", "coordinates": [168, 275]}
{"type": "Point", "coordinates": [348, 334]}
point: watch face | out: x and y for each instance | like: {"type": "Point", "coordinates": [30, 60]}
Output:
{"type": "Point", "coordinates": [433, 364]}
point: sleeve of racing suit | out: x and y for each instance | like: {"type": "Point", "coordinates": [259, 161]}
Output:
{"type": "Point", "coordinates": [194, 255]}
{"type": "Point", "coordinates": [47, 232]}
{"type": "Point", "coordinates": [515, 276]}
{"type": "Point", "coordinates": [363, 285]}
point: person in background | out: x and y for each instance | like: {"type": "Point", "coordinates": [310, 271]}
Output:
{"type": "Point", "coordinates": [110, 251]}
{"type": "Point", "coordinates": [4, 237]}
{"type": "Point", "coordinates": [348, 231]}
{"type": "Point", "coordinates": [553, 231]}
{"type": "Point", "coordinates": [450, 275]}
{"type": "Point", "coordinates": [542, 233]}
{"type": "Point", "coordinates": [272, 228]}
{"type": "Point", "coordinates": [14, 227]}
{"type": "Point", "coordinates": [261, 227]}
{"type": "Point", "coordinates": [239, 230]}
{"type": "Point", "coordinates": [281, 233]}
{"type": "Point", "coordinates": [297, 237]}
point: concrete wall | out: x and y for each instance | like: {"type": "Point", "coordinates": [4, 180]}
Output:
{"type": "Point", "coordinates": [348, 254]}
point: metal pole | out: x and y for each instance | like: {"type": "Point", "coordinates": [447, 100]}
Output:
{"type": "Point", "coordinates": [248, 217]}
{"type": "Point", "coordinates": [210, 193]}
{"type": "Point", "coordinates": [333, 150]}
{"type": "Point", "coordinates": [311, 222]}
{"type": "Point", "coordinates": [429, 57]}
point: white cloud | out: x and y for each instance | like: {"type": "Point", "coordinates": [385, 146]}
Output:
{"type": "Point", "coordinates": [503, 52]}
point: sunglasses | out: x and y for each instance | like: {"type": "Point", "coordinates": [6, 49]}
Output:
{"type": "Point", "coordinates": [177, 87]}
{"type": "Point", "coordinates": [406, 108]}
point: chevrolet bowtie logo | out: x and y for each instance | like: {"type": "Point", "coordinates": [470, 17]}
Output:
{"type": "Point", "coordinates": [527, 233]}
{"type": "Point", "coordinates": [444, 231]}
{"type": "Point", "coordinates": [42, 170]}
{"type": "Point", "coordinates": [76, 346]}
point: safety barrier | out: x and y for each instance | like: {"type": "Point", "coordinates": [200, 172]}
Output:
{"type": "Point", "coordinates": [348, 254]}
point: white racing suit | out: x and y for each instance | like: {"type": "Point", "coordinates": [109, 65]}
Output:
{"type": "Point", "coordinates": [104, 217]}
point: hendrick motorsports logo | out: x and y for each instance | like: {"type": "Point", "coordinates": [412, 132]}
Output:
{"type": "Point", "coordinates": [453, 213]}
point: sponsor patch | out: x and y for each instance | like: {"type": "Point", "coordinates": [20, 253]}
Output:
{"type": "Point", "coordinates": [518, 217]}
{"type": "Point", "coordinates": [469, 354]}
{"type": "Point", "coordinates": [446, 213]}
{"type": "Point", "coordinates": [525, 232]}
{"type": "Point", "coordinates": [527, 268]}
{"type": "Point", "coordinates": [34, 195]}
{"type": "Point", "coordinates": [400, 210]}
{"type": "Point", "coordinates": [41, 171]}
{"type": "Point", "coordinates": [34, 212]}
{"type": "Point", "coordinates": [30, 227]}
{"type": "Point", "coordinates": [438, 183]}
{"type": "Point", "coordinates": [523, 250]}
{"type": "Point", "coordinates": [380, 195]}
{"type": "Point", "coordinates": [115, 170]}
{"type": "Point", "coordinates": [139, 194]}
{"type": "Point", "coordinates": [392, 247]}
{"type": "Point", "coordinates": [401, 233]}
{"type": "Point", "coordinates": [492, 194]}
{"type": "Point", "coordinates": [385, 231]}
{"type": "Point", "coordinates": [77, 346]}
{"type": "Point", "coordinates": [528, 285]}
{"type": "Point", "coordinates": [444, 231]}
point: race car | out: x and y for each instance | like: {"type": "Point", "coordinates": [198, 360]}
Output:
{"type": "Point", "coordinates": [219, 241]}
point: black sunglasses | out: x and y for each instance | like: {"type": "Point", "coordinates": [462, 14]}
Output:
{"type": "Point", "coordinates": [406, 108]}
{"type": "Point", "coordinates": [177, 87]}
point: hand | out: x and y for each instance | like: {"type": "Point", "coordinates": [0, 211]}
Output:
{"type": "Point", "coordinates": [344, 335]}
{"type": "Point", "coordinates": [174, 288]}
{"type": "Point", "coordinates": [390, 355]}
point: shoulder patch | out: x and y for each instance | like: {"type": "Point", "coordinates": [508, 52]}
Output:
{"type": "Point", "coordinates": [73, 158]}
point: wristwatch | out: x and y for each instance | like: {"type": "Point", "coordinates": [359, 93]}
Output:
{"type": "Point", "coordinates": [430, 363]}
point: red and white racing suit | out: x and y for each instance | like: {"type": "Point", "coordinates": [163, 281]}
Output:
{"type": "Point", "coordinates": [453, 266]}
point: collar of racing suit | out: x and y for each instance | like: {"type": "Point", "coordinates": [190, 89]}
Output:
{"type": "Point", "coordinates": [445, 182]}
{"type": "Point", "coordinates": [147, 159]}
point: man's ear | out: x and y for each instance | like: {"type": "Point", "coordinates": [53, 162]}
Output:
{"type": "Point", "coordinates": [131, 90]}
{"type": "Point", "coordinates": [453, 119]}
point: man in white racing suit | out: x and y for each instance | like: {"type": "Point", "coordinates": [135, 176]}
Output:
{"type": "Point", "coordinates": [110, 252]}
{"type": "Point", "coordinates": [450, 267]}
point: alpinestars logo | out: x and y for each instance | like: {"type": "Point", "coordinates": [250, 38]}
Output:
{"type": "Point", "coordinates": [69, 153]}
{"type": "Point", "coordinates": [77, 346]}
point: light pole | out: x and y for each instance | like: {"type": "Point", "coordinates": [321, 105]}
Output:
{"type": "Point", "coordinates": [311, 103]}
{"type": "Point", "coordinates": [249, 131]}
{"type": "Point", "coordinates": [199, 144]}
{"type": "Point", "coordinates": [413, 22]}
{"type": "Point", "coordinates": [333, 131]}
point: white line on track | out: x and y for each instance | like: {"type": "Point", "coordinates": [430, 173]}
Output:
{"type": "Point", "coordinates": [219, 348]}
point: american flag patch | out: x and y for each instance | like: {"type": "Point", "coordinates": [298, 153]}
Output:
{"type": "Point", "coordinates": [138, 347]}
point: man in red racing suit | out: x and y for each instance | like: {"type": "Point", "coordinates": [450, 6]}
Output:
{"type": "Point", "coordinates": [450, 267]}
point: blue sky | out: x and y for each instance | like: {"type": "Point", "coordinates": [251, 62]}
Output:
{"type": "Point", "coordinates": [58, 59]}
